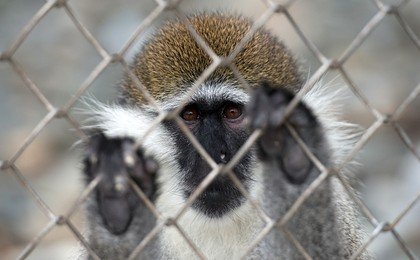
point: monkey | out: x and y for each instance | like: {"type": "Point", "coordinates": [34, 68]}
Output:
{"type": "Point", "coordinates": [221, 114]}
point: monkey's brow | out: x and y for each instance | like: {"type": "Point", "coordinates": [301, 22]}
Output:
{"type": "Point", "coordinates": [209, 94]}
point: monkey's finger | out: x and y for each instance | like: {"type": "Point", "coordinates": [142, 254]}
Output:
{"type": "Point", "coordinates": [276, 117]}
{"type": "Point", "coordinates": [258, 109]}
{"type": "Point", "coordinates": [142, 172]}
{"type": "Point", "coordinates": [272, 142]}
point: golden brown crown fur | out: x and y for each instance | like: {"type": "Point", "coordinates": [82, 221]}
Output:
{"type": "Point", "coordinates": [172, 60]}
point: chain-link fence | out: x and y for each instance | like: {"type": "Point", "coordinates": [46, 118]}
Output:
{"type": "Point", "coordinates": [272, 8]}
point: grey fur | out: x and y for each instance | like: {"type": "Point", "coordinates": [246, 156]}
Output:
{"type": "Point", "coordinates": [326, 225]}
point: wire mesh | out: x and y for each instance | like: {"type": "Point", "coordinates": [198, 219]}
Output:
{"type": "Point", "coordinates": [327, 64]}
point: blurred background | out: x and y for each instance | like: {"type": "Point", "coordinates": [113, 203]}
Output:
{"type": "Point", "coordinates": [57, 58]}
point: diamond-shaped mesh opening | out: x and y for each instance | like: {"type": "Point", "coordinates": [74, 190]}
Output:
{"type": "Point", "coordinates": [286, 10]}
{"type": "Point", "coordinates": [103, 88]}
{"type": "Point", "coordinates": [16, 126]}
{"type": "Point", "coordinates": [112, 16]}
{"type": "Point", "coordinates": [385, 75]}
{"type": "Point", "coordinates": [357, 13]}
{"type": "Point", "coordinates": [46, 158]}
{"type": "Point", "coordinates": [63, 48]}
{"type": "Point", "coordinates": [21, 218]}
{"type": "Point", "coordinates": [17, 13]}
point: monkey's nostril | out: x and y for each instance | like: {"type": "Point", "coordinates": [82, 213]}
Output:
{"type": "Point", "coordinates": [223, 157]}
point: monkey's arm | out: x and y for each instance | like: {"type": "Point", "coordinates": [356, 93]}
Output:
{"type": "Point", "coordinates": [118, 218]}
{"type": "Point", "coordinates": [327, 223]}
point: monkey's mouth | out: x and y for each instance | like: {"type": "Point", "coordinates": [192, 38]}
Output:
{"type": "Point", "coordinates": [219, 198]}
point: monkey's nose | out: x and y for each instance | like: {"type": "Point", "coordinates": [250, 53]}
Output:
{"type": "Point", "coordinates": [223, 157]}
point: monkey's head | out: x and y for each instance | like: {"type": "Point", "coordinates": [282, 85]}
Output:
{"type": "Point", "coordinates": [168, 65]}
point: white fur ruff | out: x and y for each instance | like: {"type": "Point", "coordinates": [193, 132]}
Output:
{"type": "Point", "coordinates": [229, 236]}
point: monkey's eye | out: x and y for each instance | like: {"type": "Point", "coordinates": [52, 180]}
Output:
{"type": "Point", "coordinates": [190, 113]}
{"type": "Point", "coordinates": [232, 111]}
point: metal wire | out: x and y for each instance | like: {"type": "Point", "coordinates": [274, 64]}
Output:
{"type": "Point", "coordinates": [327, 64]}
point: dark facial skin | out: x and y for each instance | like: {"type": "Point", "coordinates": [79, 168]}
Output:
{"type": "Point", "coordinates": [221, 129]}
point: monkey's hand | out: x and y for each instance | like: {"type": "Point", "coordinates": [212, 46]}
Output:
{"type": "Point", "coordinates": [266, 110]}
{"type": "Point", "coordinates": [117, 160]}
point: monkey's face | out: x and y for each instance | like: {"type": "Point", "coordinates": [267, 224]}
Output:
{"type": "Point", "coordinates": [217, 120]}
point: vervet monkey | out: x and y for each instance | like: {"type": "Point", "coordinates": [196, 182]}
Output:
{"type": "Point", "coordinates": [221, 115]}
